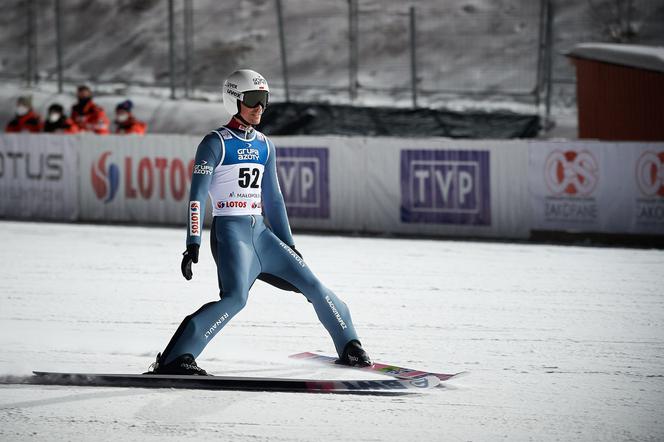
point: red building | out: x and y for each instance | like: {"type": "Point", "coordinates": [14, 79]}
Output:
{"type": "Point", "coordinates": [620, 91]}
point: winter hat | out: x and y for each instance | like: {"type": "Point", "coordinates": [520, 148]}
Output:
{"type": "Point", "coordinates": [25, 100]}
{"type": "Point", "coordinates": [126, 105]}
{"type": "Point", "coordinates": [56, 107]}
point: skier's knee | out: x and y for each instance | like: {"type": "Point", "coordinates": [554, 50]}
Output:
{"type": "Point", "coordinates": [237, 297]}
{"type": "Point", "coordinates": [316, 287]}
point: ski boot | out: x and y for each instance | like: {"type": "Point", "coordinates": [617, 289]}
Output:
{"type": "Point", "coordinates": [354, 355]}
{"type": "Point", "coordinates": [182, 365]}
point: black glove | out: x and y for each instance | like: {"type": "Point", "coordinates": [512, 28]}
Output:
{"type": "Point", "coordinates": [190, 255]}
{"type": "Point", "coordinates": [296, 251]}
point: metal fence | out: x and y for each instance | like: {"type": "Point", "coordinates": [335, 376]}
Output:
{"type": "Point", "coordinates": [358, 51]}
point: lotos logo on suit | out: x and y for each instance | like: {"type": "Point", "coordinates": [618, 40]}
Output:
{"type": "Point", "coordinates": [105, 178]}
{"type": "Point", "coordinates": [194, 218]}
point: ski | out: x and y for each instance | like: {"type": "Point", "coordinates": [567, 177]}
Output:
{"type": "Point", "coordinates": [392, 386]}
{"type": "Point", "coordinates": [401, 373]}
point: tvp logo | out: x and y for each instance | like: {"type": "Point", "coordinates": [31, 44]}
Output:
{"type": "Point", "coordinates": [105, 178]}
{"type": "Point", "coordinates": [571, 173]}
{"type": "Point", "coordinates": [304, 180]}
{"type": "Point", "coordinates": [445, 187]}
{"type": "Point", "coordinates": [650, 174]}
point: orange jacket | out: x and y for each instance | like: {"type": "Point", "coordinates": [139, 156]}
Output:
{"type": "Point", "coordinates": [91, 118]}
{"type": "Point", "coordinates": [131, 126]}
{"type": "Point", "coordinates": [30, 122]}
{"type": "Point", "coordinates": [63, 126]}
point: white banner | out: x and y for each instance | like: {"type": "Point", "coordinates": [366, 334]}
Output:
{"type": "Point", "coordinates": [412, 186]}
{"type": "Point", "coordinates": [447, 187]}
{"type": "Point", "coordinates": [38, 177]}
{"type": "Point", "coordinates": [138, 179]}
{"type": "Point", "coordinates": [476, 188]}
{"type": "Point", "coordinates": [321, 179]}
{"type": "Point", "coordinates": [599, 187]}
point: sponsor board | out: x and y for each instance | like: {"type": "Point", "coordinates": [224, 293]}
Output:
{"type": "Point", "coordinates": [649, 176]}
{"type": "Point", "coordinates": [582, 186]}
{"type": "Point", "coordinates": [140, 176]}
{"type": "Point", "coordinates": [571, 178]}
{"type": "Point", "coordinates": [445, 187]}
{"type": "Point", "coordinates": [38, 177]}
{"type": "Point", "coordinates": [304, 180]}
{"type": "Point", "coordinates": [144, 180]}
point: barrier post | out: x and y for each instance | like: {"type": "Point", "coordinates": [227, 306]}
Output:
{"type": "Point", "coordinates": [282, 46]}
{"type": "Point", "coordinates": [413, 56]}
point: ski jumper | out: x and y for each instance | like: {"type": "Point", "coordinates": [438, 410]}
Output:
{"type": "Point", "coordinates": [238, 170]}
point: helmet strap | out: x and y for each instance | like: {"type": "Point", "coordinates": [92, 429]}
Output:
{"type": "Point", "coordinates": [239, 123]}
{"type": "Point", "coordinates": [242, 120]}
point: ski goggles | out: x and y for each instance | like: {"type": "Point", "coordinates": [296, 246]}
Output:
{"type": "Point", "coordinates": [254, 98]}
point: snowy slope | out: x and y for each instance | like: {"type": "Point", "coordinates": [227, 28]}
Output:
{"type": "Point", "coordinates": [121, 48]}
{"type": "Point", "coordinates": [562, 343]}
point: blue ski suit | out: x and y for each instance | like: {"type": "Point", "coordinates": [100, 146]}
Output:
{"type": "Point", "coordinates": [238, 169]}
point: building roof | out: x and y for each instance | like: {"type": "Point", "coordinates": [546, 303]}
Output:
{"type": "Point", "coordinates": [644, 57]}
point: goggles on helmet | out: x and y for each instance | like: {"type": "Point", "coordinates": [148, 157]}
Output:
{"type": "Point", "coordinates": [254, 98]}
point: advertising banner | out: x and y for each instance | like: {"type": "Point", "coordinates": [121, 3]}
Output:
{"type": "Point", "coordinates": [321, 179]}
{"type": "Point", "coordinates": [136, 179]}
{"type": "Point", "coordinates": [304, 179]}
{"type": "Point", "coordinates": [599, 187]}
{"type": "Point", "coordinates": [445, 187]}
{"type": "Point", "coordinates": [648, 200]}
{"type": "Point", "coordinates": [434, 186]}
{"type": "Point", "coordinates": [38, 177]}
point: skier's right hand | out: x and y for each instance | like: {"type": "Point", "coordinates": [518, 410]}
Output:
{"type": "Point", "coordinates": [190, 255]}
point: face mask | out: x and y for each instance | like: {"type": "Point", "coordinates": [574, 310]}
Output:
{"type": "Point", "coordinates": [121, 118]}
{"type": "Point", "coordinates": [21, 110]}
{"type": "Point", "coordinates": [83, 100]}
{"type": "Point", "coordinates": [54, 117]}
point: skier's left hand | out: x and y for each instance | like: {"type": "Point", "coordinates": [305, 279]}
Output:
{"type": "Point", "coordinates": [190, 255]}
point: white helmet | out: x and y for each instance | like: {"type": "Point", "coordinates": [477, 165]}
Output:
{"type": "Point", "coordinates": [241, 81]}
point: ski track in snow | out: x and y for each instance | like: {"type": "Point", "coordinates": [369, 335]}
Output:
{"type": "Point", "coordinates": [562, 343]}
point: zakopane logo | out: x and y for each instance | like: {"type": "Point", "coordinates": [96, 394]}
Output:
{"type": "Point", "coordinates": [105, 178]}
{"type": "Point", "coordinates": [571, 173]}
{"type": "Point", "coordinates": [650, 173]}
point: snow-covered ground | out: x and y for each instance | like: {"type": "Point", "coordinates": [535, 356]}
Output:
{"type": "Point", "coordinates": [562, 343]}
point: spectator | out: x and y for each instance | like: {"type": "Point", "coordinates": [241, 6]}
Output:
{"type": "Point", "coordinates": [87, 115]}
{"type": "Point", "coordinates": [57, 121]}
{"type": "Point", "coordinates": [26, 119]}
{"type": "Point", "coordinates": [125, 121]}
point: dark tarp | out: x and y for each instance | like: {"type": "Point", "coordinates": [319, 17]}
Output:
{"type": "Point", "coordinates": [326, 119]}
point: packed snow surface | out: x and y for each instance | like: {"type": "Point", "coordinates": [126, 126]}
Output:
{"type": "Point", "coordinates": [561, 343]}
